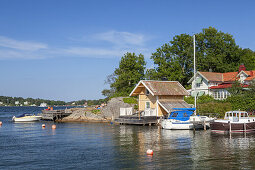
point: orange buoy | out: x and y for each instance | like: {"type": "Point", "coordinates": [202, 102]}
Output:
{"type": "Point", "coordinates": [1, 123]}
{"type": "Point", "coordinates": [43, 125]}
{"type": "Point", "coordinates": [53, 127]}
{"type": "Point", "coordinates": [149, 152]}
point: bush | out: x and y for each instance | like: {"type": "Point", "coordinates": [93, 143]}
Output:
{"type": "Point", "coordinates": [96, 111]}
{"type": "Point", "coordinates": [130, 100]}
{"type": "Point", "coordinates": [217, 108]}
{"type": "Point", "coordinates": [201, 99]}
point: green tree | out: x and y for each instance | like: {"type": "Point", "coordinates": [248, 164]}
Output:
{"type": "Point", "coordinates": [128, 74]}
{"type": "Point", "coordinates": [242, 98]}
{"type": "Point", "coordinates": [215, 50]}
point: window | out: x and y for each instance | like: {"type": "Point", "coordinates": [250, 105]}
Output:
{"type": "Point", "coordinates": [174, 114]}
{"type": "Point", "coordinates": [148, 105]}
{"type": "Point", "coordinates": [198, 84]}
{"type": "Point", "coordinates": [147, 92]}
{"type": "Point", "coordinates": [214, 94]}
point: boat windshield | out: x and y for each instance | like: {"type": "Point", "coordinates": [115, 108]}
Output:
{"type": "Point", "coordinates": [236, 114]}
{"type": "Point", "coordinates": [180, 115]}
{"type": "Point", "coordinates": [24, 114]}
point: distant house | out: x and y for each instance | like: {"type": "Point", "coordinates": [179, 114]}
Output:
{"type": "Point", "coordinates": [216, 84]}
{"type": "Point", "coordinates": [16, 102]}
{"type": "Point", "coordinates": [26, 103]}
{"type": "Point", "coordinates": [157, 98]}
{"type": "Point", "coordinates": [1, 103]}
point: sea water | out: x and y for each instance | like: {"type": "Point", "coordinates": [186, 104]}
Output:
{"type": "Point", "coordinates": [110, 146]}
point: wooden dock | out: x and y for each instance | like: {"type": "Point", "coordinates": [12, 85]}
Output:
{"type": "Point", "coordinates": [54, 115]}
{"type": "Point", "coordinates": [135, 120]}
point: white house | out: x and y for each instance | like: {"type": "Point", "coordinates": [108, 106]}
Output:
{"type": "Point", "coordinates": [216, 84]}
{"type": "Point", "coordinates": [16, 102]}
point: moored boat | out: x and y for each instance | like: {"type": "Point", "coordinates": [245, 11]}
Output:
{"type": "Point", "coordinates": [234, 122]}
{"type": "Point", "coordinates": [179, 119]}
{"type": "Point", "coordinates": [26, 118]}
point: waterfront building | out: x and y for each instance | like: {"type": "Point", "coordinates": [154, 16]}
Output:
{"type": "Point", "coordinates": [158, 98]}
{"type": "Point", "coordinates": [16, 102]}
{"type": "Point", "coordinates": [216, 84]}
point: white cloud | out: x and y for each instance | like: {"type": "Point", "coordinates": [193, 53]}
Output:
{"type": "Point", "coordinates": [21, 45]}
{"type": "Point", "coordinates": [111, 44]}
{"type": "Point", "coordinates": [91, 52]}
{"type": "Point", "coordinates": [121, 38]}
{"type": "Point", "coordinates": [14, 54]}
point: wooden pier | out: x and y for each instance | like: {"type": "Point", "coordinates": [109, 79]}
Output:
{"type": "Point", "coordinates": [54, 115]}
{"type": "Point", "coordinates": [135, 120]}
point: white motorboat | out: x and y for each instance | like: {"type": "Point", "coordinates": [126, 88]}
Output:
{"type": "Point", "coordinates": [182, 119]}
{"type": "Point", "coordinates": [26, 118]}
{"type": "Point", "coordinates": [179, 119]}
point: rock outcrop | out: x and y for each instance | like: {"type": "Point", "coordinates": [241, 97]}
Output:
{"type": "Point", "coordinates": [107, 113]}
{"type": "Point", "coordinates": [83, 115]}
{"type": "Point", "coordinates": [112, 110]}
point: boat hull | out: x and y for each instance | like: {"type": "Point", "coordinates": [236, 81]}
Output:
{"type": "Point", "coordinates": [176, 125]}
{"type": "Point", "coordinates": [27, 119]}
{"type": "Point", "coordinates": [222, 127]}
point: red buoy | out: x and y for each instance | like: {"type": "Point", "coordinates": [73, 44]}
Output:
{"type": "Point", "coordinates": [53, 127]}
{"type": "Point", "coordinates": [149, 152]}
{"type": "Point", "coordinates": [1, 123]}
{"type": "Point", "coordinates": [43, 125]}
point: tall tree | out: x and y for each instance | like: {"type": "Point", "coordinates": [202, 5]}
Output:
{"type": "Point", "coordinates": [215, 50]}
{"type": "Point", "coordinates": [128, 74]}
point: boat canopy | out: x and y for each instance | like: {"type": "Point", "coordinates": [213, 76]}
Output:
{"type": "Point", "coordinates": [182, 114]}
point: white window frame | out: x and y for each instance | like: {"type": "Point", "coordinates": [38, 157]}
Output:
{"type": "Point", "coordinates": [147, 104]}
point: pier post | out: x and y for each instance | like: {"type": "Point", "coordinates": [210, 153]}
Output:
{"type": "Point", "coordinates": [244, 127]}
{"type": "Point", "coordinates": [204, 125]}
{"type": "Point", "coordinates": [230, 127]}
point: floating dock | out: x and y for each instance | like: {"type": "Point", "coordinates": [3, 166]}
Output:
{"type": "Point", "coordinates": [54, 115]}
{"type": "Point", "coordinates": [135, 120]}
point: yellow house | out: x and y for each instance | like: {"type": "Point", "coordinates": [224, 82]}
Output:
{"type": "Point", "coordinates": [158, 98]}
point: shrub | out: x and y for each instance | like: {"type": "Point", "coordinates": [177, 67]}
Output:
{"type": "Point", "coordinates": [217, 108]}
{"type": "Point", "coordinates": [130, 100]}
{"type": "Point", "coordinates": [96, 111]}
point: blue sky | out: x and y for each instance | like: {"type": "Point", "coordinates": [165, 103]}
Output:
{"type": "Point", "coordinates": [64, 50]}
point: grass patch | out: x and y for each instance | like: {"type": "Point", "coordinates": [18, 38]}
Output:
{"type": "Point", "coordinates": [96, 111]}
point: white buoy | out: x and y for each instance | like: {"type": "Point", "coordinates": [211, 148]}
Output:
{"type": "Point", "coordinates": [149, 152]}
{"type": "Point", "coordinates": [53, 127]}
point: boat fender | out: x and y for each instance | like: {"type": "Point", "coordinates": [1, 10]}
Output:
{"type": "Point", "coordinates": [1, 123]}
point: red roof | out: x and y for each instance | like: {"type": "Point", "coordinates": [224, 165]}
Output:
{"type": "Point", "coordinates": [227, 77]}
{"type": "Point", "coordinates": [224, 86]}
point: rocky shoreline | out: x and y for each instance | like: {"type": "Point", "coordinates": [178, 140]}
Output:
{"type": "Point", "coordinates": [89, 114]}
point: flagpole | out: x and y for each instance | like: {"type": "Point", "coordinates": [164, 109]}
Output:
{"type": "Point", "coordinates": [194, 43]}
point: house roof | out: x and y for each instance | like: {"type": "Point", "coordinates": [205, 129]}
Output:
{"type": "Point", "coordinates": [226, 77]}
{"type": "Point", "coordinates": [168, 106]}
{"type": "Point", "coordinates": [157, 88]}
{"type": "Point", "coordinates": [211, 76]}
{"type": "Point", "coordinates": [224, 86]}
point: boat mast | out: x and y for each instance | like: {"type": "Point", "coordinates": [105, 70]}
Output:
{"type": "Point", "coordinates": [194, 43]}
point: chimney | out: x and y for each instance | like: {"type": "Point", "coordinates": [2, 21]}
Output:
{"type": "Point", "coordinates": [241, 67]}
